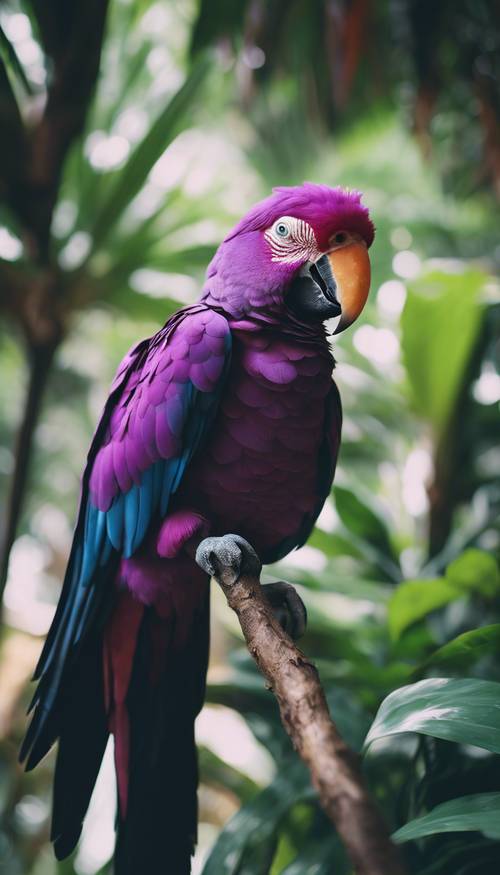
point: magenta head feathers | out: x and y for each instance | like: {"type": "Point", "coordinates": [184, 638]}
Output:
{"type": "Point", "coordinates": [302, 250]}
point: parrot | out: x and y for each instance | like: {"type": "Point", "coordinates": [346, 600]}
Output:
{"type": "Point", "coordinates": [227, 420]}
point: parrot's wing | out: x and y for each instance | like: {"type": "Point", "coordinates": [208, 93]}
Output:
{"type": "Point", "coordinates": [163, 400]}
{"type": "Point", "coordinates": [327, 462]}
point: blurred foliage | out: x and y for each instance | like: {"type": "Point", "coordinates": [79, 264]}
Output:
{"type": "Point", "coordinates": [400, 575]}
{"type": "Point", "coordinates": [437, 62]}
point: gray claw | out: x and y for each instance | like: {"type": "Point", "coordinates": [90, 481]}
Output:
{"type": "Point", "coordinates": [288, 607]}
{"type": "Point", "coordinates": [228, 552]}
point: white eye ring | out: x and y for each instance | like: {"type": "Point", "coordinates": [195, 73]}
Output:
{"type": "Point", "coordinates": [282, 229]}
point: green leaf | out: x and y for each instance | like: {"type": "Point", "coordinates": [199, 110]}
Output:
{"type": "Point", "coordinates": [132, 177]}
{"type": "Point", "coordinates": [240, 837]}
{"type": "Point", "coordinates": [183, 260]}
{"type": "Point", "coordinates": [440, 324]}
{"type": "Point", "coordinates": [479, 812]}
{"type": "Point", "coordinates": [137, 305]}
{"type": "Point", "coordinates": [467, 648]}
{"type": "Point", "coordinates": [414, 599]}
{"type": "Point", "coordinates": [464, 711]}
{"type": "Point", "coordinates": [369, 531]}
{"type": "Point", "coordinates": [475, 570]}
{"type": "Point", "coordinates": [361, 519]}
{"type": "Point", "coordinates": [321, 857]}
{"type": "Point", "coordinates": [213, 770]}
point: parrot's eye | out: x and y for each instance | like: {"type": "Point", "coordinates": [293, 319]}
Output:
{"type": "Point", "coordinates": [291, 240]}
{"type": "Point", "coordinates": [339, 238]}
{"type": "Point", "coordinates": [282, 229]}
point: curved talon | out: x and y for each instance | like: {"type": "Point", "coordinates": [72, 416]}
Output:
{"type": "Point", "coordinates": [228, 552]}
{"type": "Point", "coordinates": [288, 607]}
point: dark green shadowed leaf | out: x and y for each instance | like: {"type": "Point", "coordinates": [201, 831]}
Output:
{"type": "Point", "coordinates": [371, 535]}
{"type": "Point", "coordinates": [466, 649]}
{"type": "Point", "coordinates": [262, 814]}
{"type": "Point", "coordinates": [139, 306]}
{"type": "Point", "coordinates": [322, 857]}
{"type": "Point", "coordinates": [479, 812]}
{"type": "Point", "coordinates": [359, 518]}
{"type": "Point", "coordinates": [464, 711]}
{"type": "Point", "coordinates": [215, 771]}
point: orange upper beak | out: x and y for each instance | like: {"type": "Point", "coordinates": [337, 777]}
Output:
{"type": "Point", "coordinates": [351, 270]}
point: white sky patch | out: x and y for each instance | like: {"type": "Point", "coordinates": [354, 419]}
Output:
{"type": "Point", "coordinates": [416, 473]}
{"type": "Point", "coordinates": [486, 389]}
{"type": "Point", "coordinates": [98, 834]}
{"type": "Point", "coordinates": [132, 124]}
{"type": "Point", "coordinates": [349, 375]}
{"type": "Point", "coordinates": [51, 523]}
{"type": "Point", "coordinates": [29, 52]}
{"type": "Point", "coordinates": [23, 596]}
{"type": "Point", "coordinates": [65, 215]}
{"type": "Point", "coordinates": [11, 247]}
{"type": "Point", "coordinates": [106, 152]}
{"type": "Point", "coordinates": [76, 250]}
{"type": "Point", "coordinates": [307, 557]}
{"type": "Point", "coordinates": [379, 345]}
{"type": "Point", "coordinates": [30, 813]}
{"type": "Point", "coordinates": [391, 298]}
{"type": "Point", "coordinates": [225, 732]}
{"type": "Point", "coordinates": [330, 326]}
{"type": "Point", "coordinates": [196, 158]}
{"type": "Point", "coordinates": [156, 19]}
{"type": "Point", "coordinates": [253, 57]}
{"type": "Point", "coordinates": [17, 27]}
{"type": "Point", "coordinates": [406, 264]}
{"type": "Point", "coordinates": [177, 157]}
{"type": "Point", "coordinates": [328, 517]}
{"type": "Point", "coordinates": [158, 60]}
{"type": "Point", "coordinates": [158, 284]}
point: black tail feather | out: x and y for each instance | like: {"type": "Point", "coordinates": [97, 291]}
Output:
{"type": "Point", "coordinates": [158, 833]}
{"type": "Point", "coordinates": [83, 735]}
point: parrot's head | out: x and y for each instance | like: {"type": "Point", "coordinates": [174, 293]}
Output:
{"type": "Point", "coordinates": [303, 250]}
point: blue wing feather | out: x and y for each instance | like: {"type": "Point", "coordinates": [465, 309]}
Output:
{"type": "Point", "coordinates": [102, 535]}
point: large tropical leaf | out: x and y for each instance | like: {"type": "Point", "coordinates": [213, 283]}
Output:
{"type": "Point", "coordinates": [464, 711]}
{"type": "Point", "coordinates": [479, 812]}
{"type": "Point", "coordinates": [440, 324]}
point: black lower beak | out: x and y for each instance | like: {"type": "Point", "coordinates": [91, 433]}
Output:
{"type": "Point", "coordinates": [312, 294]}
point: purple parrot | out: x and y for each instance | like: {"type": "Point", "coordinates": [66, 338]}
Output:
{"type": "Point", "coordinates": [226, 420]}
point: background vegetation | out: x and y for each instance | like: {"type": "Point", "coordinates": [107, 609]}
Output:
{"type": "Point", "coordinates": [113, 197]}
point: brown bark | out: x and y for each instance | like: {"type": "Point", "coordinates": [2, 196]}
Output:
{"type": "Point", "coordinates": [334, 767]}
{"type": "Point", "coordinates": [72, 36]}
{"type": "Point", "coordinates": [40, 360]}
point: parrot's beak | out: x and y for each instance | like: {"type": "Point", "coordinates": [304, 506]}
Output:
{"type": "Point", "coordinates": [351, 270]}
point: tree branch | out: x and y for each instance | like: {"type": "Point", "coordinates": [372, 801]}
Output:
{"type": "Point", "coordinates": [72, 35]}
{"type": "Point", "coordinates": [40, 361]}
{"type": "Point", "coordinates": [334, 767]}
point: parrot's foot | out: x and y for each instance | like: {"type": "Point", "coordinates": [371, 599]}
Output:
{"type": "Point", "coordinates": [230, 552]}
{"type": "Point", "coordinates": [288, 607]}
{"type": "Point", "coordinates": [233, 553]}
